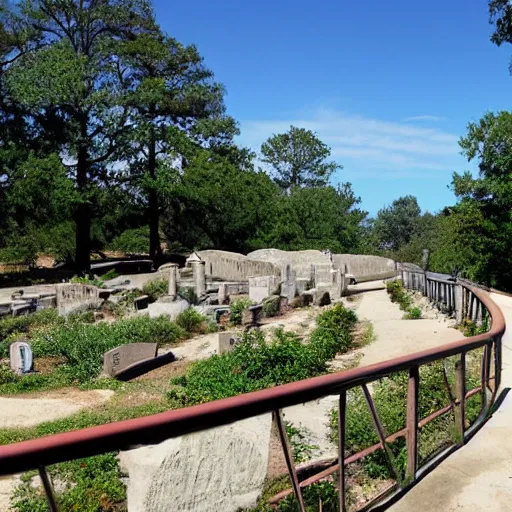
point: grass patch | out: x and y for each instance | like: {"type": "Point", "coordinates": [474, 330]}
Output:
{"type": "Point", "coordinates": [192, 321]}
{"type": "Point", "coordinates": [413, 314]}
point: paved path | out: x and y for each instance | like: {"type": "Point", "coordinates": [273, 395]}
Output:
{"type": "Point", "coordinates": [478, 477]}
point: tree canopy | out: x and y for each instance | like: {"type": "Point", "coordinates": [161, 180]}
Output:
{"type": "Point", "coordinates": [297, 158]}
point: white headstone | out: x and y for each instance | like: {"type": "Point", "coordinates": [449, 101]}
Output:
{"type": "Point", "coordinates": [20, 355]}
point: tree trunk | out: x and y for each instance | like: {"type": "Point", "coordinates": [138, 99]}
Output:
{"type": "Point", "coordinates": [82, 218]}
{"type": "Point", "coordinates": [155, 251]}
{"type": "Point", "coordinates": [83, 210]}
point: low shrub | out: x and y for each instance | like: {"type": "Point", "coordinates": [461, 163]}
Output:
{"type": "Point", "coordinates": [255, 364]}
{"type": "Point", "coordinates": [156, 289]}
{"type": "Point", "coordinates": [88, 280]}
{"type": "Point", "coordinates": [82, 345]}
{"type": "Point", "coordinates": [297, 436]}
{"type": "Point", "coordinates": [413, 314]}
{"type": "Point", "coordinates": [192, 321]}
{"type": "Point", "coordinates": [237, 308]}
{"type": "Point", "coordinates": [12, 327]}
{"type": "Point", "coordinates": [271, 306]}
{"type": "Point", "coordinates": [189, 294]}
{"type": "Point", "coordinates": [111, 274]}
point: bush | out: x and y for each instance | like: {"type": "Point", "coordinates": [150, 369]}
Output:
{"type": "Point", "coordinates": [399, 294]}
{"type": "Point", "coordinates": [134, 241]}
{"type": "Point", "coordinates": [156, 289]}
{"type": "Point", "coordinates": [237, 308]}
{"type": "Point", "coordinates": [413, 314]}
{"type": "Point", "coordinates": [271, 306]}
{"type": "Point", "coordinates": [255, 364]}
{"type": "Point", "coordinates": [188, 294]}
{"type": "Point", "coordinates": [192, 321]}
{"type": "Point", "coordinates": [82, 345]}
{"type": "Point", "coordinates": [88, 280]}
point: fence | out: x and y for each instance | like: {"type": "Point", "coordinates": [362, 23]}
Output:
{"type": "Point", "coordinates": [39, 453]}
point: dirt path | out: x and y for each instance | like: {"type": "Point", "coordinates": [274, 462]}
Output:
{"type": "Point", "coordinates": [28, 412]}
{"type": "Point", "coordinates": [394, 337]}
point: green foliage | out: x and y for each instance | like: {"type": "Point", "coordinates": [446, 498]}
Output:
{"type": "Point", "coordinates": [271, 306]}
{"type": "Point", "coordinates": [189, 294]}
{"type": "Point", "coordinates": [82, 345]}
{"type": "Point", "coordinates": [297, 436]}
{"type": "Point", "coordinates": [399, 294]}
{"type": "Point", "coordinates": [297, 158]}
{"type": "Point", "coordinates": [111, 274]}
{"type": "Point", "coordinates": [192, 321]}
{"type": "Point", "coordinates": [390, 398]}
{"type": "Point", "coordinates": [255, 364]}
{"type": "Point", "coordinates": [88, 280]}
{"type": "Point", "coordinates": [11, 327]}
{"type": "Point", "coordinates": [132, 241]}
{"type": "Point", "coordinates": [156, 289]}
{"type": "Point", "coordinates": [396, 224]}
{"type": "Point", "coordinates": [413, 314]}
{"type": "Point", "coordinates": [92, 484]}
{"type": "Point", "coordinates": [236, 308]}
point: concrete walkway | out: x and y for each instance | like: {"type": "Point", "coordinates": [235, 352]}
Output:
{"type": "Point", "coordinates": [478, 477]}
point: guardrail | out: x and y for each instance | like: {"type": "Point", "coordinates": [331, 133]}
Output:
{"type": "Point", "coordinates": [39, 453]}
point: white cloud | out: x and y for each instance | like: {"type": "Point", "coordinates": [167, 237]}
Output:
{"type": "Point", "coordinates": [365, 145]}
{"type": "Point", "coordinates": [425, 118]}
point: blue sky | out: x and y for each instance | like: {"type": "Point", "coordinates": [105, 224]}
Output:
{"type": "Point", "coordinates": [390, 86]}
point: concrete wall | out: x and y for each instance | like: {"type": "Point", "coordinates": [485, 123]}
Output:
{"type": "Point", "coordinates": [231, 266]}
{"type": "Point", "coordinates": [362, 265]}
{"type": "Point", "coordinates": [300, 261]}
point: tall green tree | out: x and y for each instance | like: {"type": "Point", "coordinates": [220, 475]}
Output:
{"type": "Point", "coordinates": [175, 94]}
{"type": "Point", "coordinates": [69, 71]}
{"type": "Point", "coordinates": [395, 225]}
{"type": "Point", "coordinates": [297, 158]}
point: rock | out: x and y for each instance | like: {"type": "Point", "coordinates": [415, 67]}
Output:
{"type": "Point", "coordinates": [171, 309]}
{"type": "Point", "coordinates": [221, 469]}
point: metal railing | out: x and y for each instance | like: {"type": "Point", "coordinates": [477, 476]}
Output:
{"type": "Point", "coordinates": [42, 452]}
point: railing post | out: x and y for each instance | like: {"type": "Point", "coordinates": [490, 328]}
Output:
{"type": "Point", "coordinates": [460, 391]}
{"type": "Point", "coordinates": [278, 418]}
{"type": "Point", "coordinates": [412, 423]}
{"type": "Point", "coordinates": [342, 409]}
{"type": "Point", "coordinates": [48, 489]}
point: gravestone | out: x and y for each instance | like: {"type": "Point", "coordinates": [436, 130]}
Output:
{"type": "Point", "coordinates": [289, 284]}
{"type": "Point", "coordinates": [115, 361]}
{"type": "Point", "coordinates": [227, 341]}
{"type": "Point", "coordinates": [20, 355]}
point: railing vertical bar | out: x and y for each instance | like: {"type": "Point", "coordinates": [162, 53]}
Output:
{"type": "Point", "coordinates": [342, 410]}
{"type": "Point", "coordinates": [460, 388]}
{"type": "Point", "coordinates": [278, 418]}
{"type": "Point", "coordinates": [48, 489]}
{"type": "Point", "coordinates": [380, 433]}
{"type": "Point", "coordinates": [485, 374]}
{"type": "Point", "coordinates": [412, 423]}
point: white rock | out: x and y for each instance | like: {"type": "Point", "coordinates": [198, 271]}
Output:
{"type": "Point", "coordinates": [221, 469]}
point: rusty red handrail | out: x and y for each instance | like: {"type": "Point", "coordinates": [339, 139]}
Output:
{"type": "Point", "coordinates": [91, 441]}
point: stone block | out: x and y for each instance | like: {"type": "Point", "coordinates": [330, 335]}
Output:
{"type": "Point", "coordinates": [22, 309]}
{"type": "Point", "coordinates": [141, 302]}
{"type": "Point", "coordinates": [220, 469]}
{"type": "Point", "coordinates": [47, 302]}
{"type": "Point", "coordinates": [170, 309]}
{"type": "Point", "coordinates": [262, 287]}
{"type": "Point", "coordinates": [20, 357]}
{"type": "Point", "coordinates": [115, 361]}
{"type": "Point", "coordinates": [227, 341]}
{"type": "Point", "coordinates": [75, 297]}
